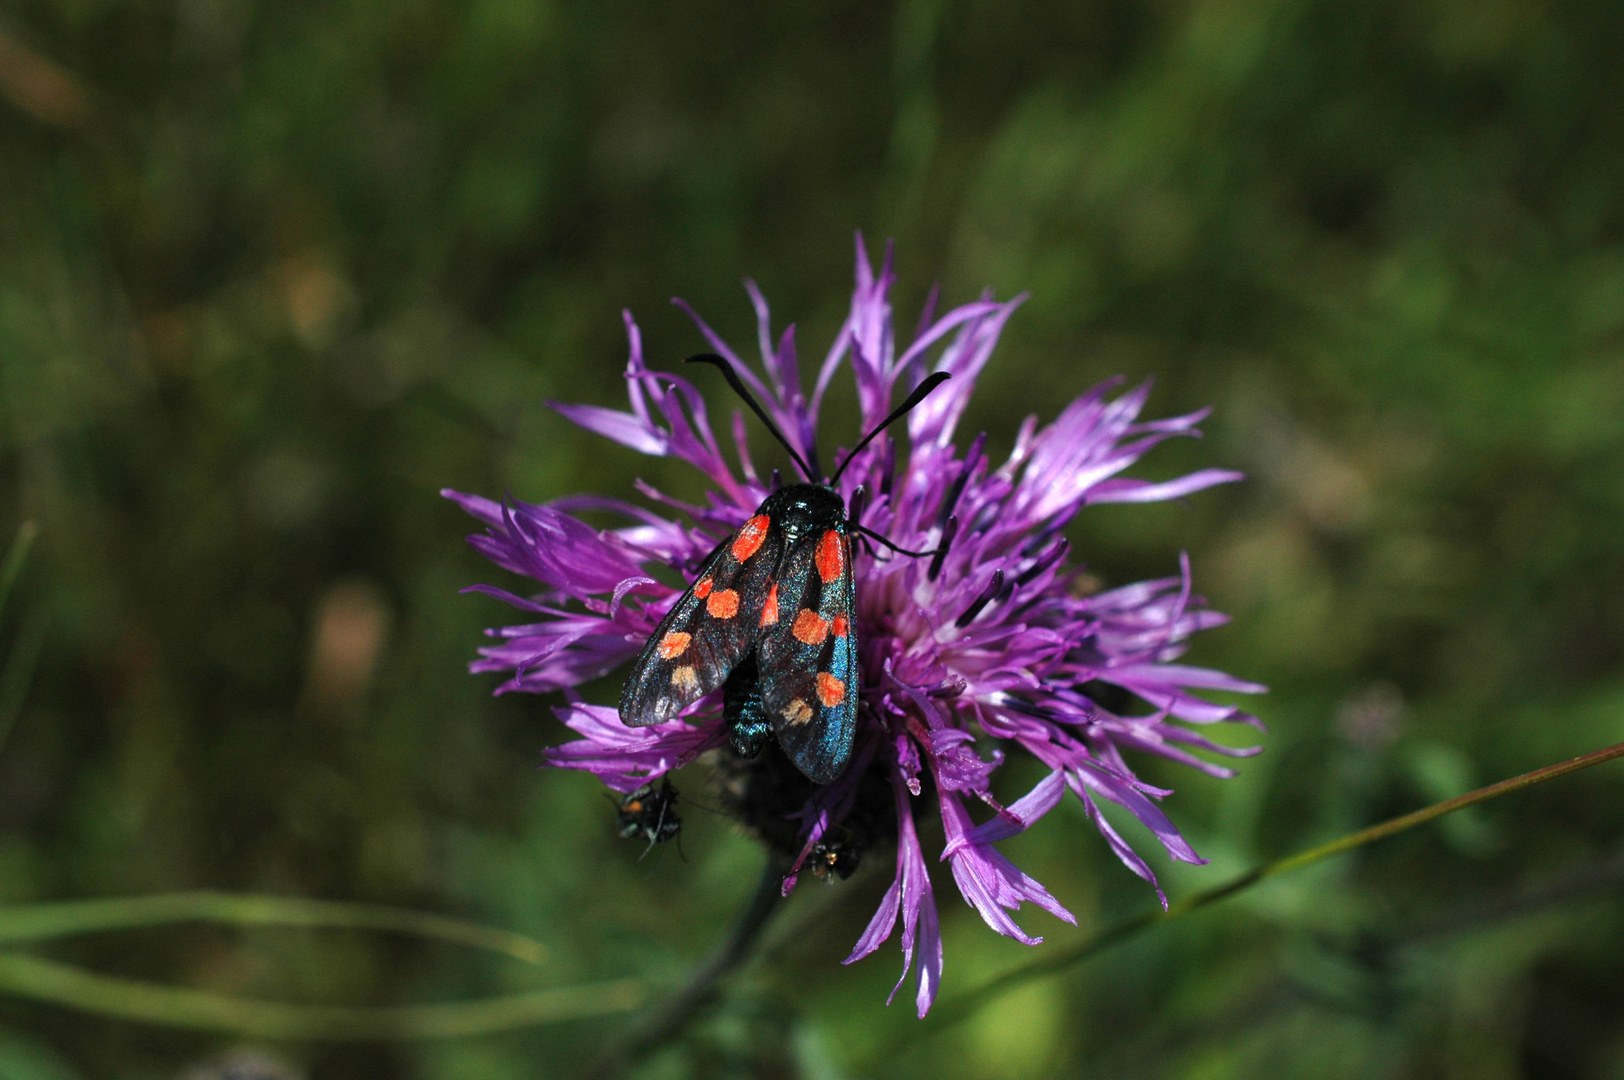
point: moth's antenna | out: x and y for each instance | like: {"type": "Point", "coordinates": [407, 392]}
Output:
{"type": "Point", "coordinates": [919, 394]}
{"type": "Point", "coordinates": [866, 531]}
{"type": "Point", "coordinates": [737, 384]}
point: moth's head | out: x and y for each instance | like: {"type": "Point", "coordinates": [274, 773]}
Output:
{"type": "Point", "coordinates": [805, 509]}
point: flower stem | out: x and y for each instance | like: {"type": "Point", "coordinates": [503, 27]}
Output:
{"type": "Point", "coordinates": [669, 1019]}
{"type": "Point", "coordinates": [964, 1006]}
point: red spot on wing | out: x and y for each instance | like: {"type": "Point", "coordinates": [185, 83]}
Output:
{"type": "Point", "coordinates": [831, 558]}
{"type": "Point", "coordinates": [750, 537]}
{"type": "Point", "coordinates": [769, 610]}
{"type": "Point", "coordinates": [723, 605]}
{"type": "Point", "coordinates": [831, 691]}
{"type": "Point", "coordinates": [704, 587]}
{"type": "Point", "coordinates": [810, 628]}
{"type": "Point", "coordinates": [839, 627]}
{"type": "Point", "coordinates": [674, 644]}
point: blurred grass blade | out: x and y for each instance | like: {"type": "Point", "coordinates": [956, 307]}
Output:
{"type": "Point", "coordinates": [39, 922]}
{"type": "Point", "coordinates": [15, 558]}
{"type": "Point", "coordinates": [966, 1005]}
{"type": "Point", "coordinates": [153, 1003]}
{"type": "Point", "coordinates": [18, 674]}
{"type": "Point", "coordinates": [22, 1057]}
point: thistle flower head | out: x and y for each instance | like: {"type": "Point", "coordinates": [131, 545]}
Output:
{"type": "Point", "coordinates": [990, 646]}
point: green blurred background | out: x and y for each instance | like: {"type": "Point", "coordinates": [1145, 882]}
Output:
{"type": "Point", "coordinates": [272, 274]}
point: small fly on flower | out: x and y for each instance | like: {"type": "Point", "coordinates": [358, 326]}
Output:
{"type": "Point", "coordinates": [770, 620]}
{"type": "Point", "coordinates": [838, 857]}
{"type": "Point", "coordinates": [648, 813]}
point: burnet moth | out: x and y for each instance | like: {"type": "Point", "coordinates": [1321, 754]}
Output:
{"type": "Point", "coordinates": [770, 620]}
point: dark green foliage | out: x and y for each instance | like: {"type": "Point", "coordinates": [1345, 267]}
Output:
{"type": "Point", "coordinates": [272, 274]}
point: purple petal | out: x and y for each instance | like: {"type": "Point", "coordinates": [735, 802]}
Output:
{"type": "Point", "coordinates": [910, 893]}
{"type": "Point", "coordinates": [880, 926]}
{"type": "Point", "coordinates": [958, 766]}
{"type": "Point", "coordinates": [626, 758]}
{"type": "Point", "coordinates": [622, 427]}
{"type": "Point", "coordinates": [721, 346]}
{"type": "Point", "coordinates": [936, 418]}
{"type": "Point", "coordinates": [1140, 491]}
{"type": "Point", "coordinates": [934, 332]}
{"type": "Point", "coordinates": [1106, 784]}
{"type": "Point", "coordinates": [1120, 847]}
{"type": "Point", "coordinates": [989, 882]}
{"type": "Point", "coordinates": [764, 333]}
{"type": "Point", "coordinates": [520, 602]}
{"type": "Point", "coordinates": [486, 510]}
{"type": "Point", "coordinates": [1137, 675]}
{"type": "Point", "coordinates": [1022, 814]}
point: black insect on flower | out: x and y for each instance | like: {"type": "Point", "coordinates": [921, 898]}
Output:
{"type": "Point", "coordinates": [838, 857]}
{"type": "Point", "coordinates": [649, 813]}
{"type": "Point", "coordinates": [770, 621]}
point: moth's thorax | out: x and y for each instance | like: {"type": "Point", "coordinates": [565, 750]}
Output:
{"type": "Point", "coordinates": [803, 510]}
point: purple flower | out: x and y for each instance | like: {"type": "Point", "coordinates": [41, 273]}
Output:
{"type": "Point", "coordinates": [994, 647]}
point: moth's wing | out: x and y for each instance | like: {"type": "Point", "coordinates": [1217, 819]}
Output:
{"type": "Point", "coordinates": [708, 631]}
{"type": "Point", "coordinates": [808, 658]}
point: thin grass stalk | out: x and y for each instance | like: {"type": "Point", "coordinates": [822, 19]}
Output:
{"type": "Point", "coordinates": [39, 979]}
{"type": "Point", "coordinates": [26, 923]}
{"type": "Point", "coordinates": [955, 1010]}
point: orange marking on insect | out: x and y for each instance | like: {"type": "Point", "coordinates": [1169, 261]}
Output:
{"type": "Point", "coordinates": [810, 627]}
{"type": "Point", "coordinates": [703, 588]}
{"type": "Point", "coordinates": [797, 712]}
{"type": "Point", "coordinates": [831, 558]}
{"type": "Point", "coordinates": [839, 627]}
{"type": "Point", "coordinates": [724, 604]}
{"type": "Point", "coordinates": [674, 644]}
{"type": "Point", "coordinates": [769, 610]}
{"type": "Point", "coordinates": [750, 538]}
{"type": "Point", "coordinates": [831, 691]}
{"type": "Point", "coordinates": [685, 678]}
